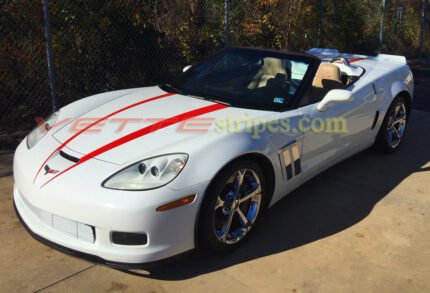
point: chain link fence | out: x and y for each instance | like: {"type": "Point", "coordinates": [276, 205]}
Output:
{"type": "Point", "coordinates": [24, 89]}
{"type": "Point", "coordinates": [99, 46]}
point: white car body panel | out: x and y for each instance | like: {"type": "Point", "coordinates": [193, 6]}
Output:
{"type": "Point", "coordinates": [78, 195]}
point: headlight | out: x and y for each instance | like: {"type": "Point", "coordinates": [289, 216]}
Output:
{"type": "Point", "coordinates": [40, 131]}
{"type": "Point", "coordinates": [148, 174]}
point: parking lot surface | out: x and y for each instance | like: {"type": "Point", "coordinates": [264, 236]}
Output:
{"type": "Point", "coordinates": [360, 226]}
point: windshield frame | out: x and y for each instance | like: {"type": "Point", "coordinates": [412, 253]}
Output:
{"type": "Point", "coordinates": [313, 62]}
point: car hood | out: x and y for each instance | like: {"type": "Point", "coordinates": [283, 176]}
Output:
{"type": "Point", "coordinates": [119, 138]}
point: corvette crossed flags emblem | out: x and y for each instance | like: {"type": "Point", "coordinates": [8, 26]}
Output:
{"type": "Point", "coordinates": [48, 170]}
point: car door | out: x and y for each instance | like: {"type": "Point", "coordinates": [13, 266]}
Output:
{"type": "Point", "coordinates": [285, 135]}
{"type": "Point", "coordinates": [338, 132]}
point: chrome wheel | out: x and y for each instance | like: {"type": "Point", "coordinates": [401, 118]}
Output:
{"type": "Point", "coordinates": [396, 125]}
{"type": "Point", "coordinates": [237, 206]}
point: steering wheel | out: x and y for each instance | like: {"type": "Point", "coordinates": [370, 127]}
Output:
{"type": "Point", "coordinates": [288, 80]}
{"type": "Point", "coordinates": [294, 84]}
{"type": "Point", "coordinates": [341, 60]}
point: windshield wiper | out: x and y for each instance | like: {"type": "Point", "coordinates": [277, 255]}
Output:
{"type": "Point", "coordinates": [170, 88]}
{"type": "Point", "coordinates": [210, 100]}
{"type": "Point", "coordinates": [220, 102]}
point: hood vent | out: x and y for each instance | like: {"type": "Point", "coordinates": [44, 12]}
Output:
{"type": "Point", "coordinates": [69, 157]}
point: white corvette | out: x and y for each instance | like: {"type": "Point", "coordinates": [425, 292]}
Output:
{"type": "Point", "coordinates": [135, 176]}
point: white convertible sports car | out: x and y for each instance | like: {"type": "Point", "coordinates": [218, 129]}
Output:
{"type": "Point", "coordinates": [135, 176]}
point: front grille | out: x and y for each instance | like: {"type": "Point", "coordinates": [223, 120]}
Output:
{"type": "Point", "coordinates": [69, 227]}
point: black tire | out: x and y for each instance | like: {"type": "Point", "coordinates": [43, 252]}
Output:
{"type": "Point", "coordinates": [220, 186]}
{"type": "Point", "coordinates": [382, 142]}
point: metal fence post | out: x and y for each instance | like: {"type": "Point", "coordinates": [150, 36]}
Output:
{"type": "Point", "coordinates": [423, 18]}
{"type": "Point", "coordinates": [381, 32]}
{"type": "Point", "coordinates": [227, 23]}
{"type": "Point", "coordinates": [51, 69]}
{"type": "Point", "coordinates": [320, 27]}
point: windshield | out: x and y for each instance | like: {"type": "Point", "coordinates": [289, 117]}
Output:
{"type": "Point", "coordinates": [248, 78]}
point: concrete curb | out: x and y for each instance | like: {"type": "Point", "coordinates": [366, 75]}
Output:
{"type": "Point", "coordinates": [6, 163]}
{"type": "Point", "coordinates": [6, 173]}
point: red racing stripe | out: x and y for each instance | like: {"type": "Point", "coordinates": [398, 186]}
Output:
{"type": "Point", "coordinates": [97, 122]}
{"type": "Point", "coordinates": [356, 60]}
{"type": "Point", "coordinates": [142, 132]}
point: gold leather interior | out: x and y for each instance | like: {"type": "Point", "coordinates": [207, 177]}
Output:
{"type": "Point", "coordinates": [326, 72]}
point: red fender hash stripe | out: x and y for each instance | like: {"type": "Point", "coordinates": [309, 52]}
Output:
{"type": "Point", "coordinates": [142, 132]}
{"type": "Point", "coordinates": [97, 122]}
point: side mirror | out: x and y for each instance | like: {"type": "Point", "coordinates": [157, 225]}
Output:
{"type": "Point", "coordinates": [335, 96]}
{"type": "Point", "coordinates": [186, 68]}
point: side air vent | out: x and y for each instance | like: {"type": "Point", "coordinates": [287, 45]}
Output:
{"type": "Point", "coordinates": [290, 160]}
{"type": "Point", "coordinates": [376, 119]}
{"type": "Point", "coordinates": [69, 157]}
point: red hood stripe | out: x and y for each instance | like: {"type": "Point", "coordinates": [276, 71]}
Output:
{"type": "Point", "coordinates": [356, 60]}
{"type": "Point", "coordinates": [142, 132]}
{"type": "Point", "coordinates": [97, 122]}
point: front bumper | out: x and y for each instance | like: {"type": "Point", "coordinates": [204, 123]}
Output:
{"type": "Point", "coordinates": [93, 258]}
{"type": "Point", "coordinates": [102, 250]}
{"type": "Point", "coordinates": [78, 206]}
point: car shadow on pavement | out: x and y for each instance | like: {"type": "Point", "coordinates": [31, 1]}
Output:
{"type": "Point", "coordinates": [328, 204]}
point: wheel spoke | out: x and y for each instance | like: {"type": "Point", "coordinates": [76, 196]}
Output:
{"type": "Point", "coordinates": [219, 203]}
{"type": "Point", "coordinates": [396, 111]}
{"type": "Point", "coordinates": [390, 136]}
{"type": "Point", "coordinates": [399, 121]}
{"type": "Point", "coordinates": [226, 228]}
{"type": "Point", "coordinates": [251, 195]}
{"type": "Point", "coordinates": [242, 217]}
{"type": "Point", "coordinates": [396, 133]}
{"type": "Point", "coordinates": [238, 181]}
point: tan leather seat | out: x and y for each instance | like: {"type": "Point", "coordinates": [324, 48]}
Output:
{"type": "Point", "coordinates": [271, 67]}
{"type": "Point", "coordinates": [327, 72]}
